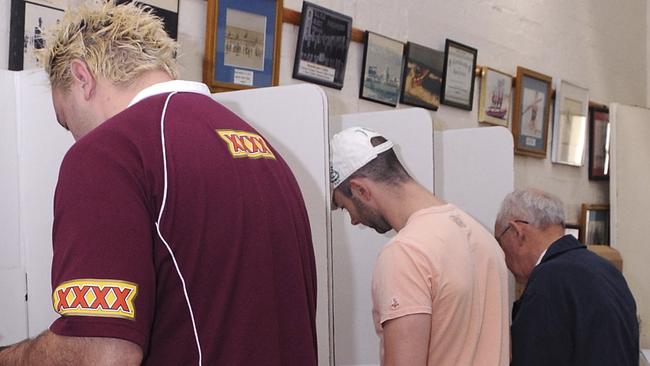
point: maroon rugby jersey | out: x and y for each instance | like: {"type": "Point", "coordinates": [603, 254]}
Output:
{"type": "Point", "coordinates": [234, 220]}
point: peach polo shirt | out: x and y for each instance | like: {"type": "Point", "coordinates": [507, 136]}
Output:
{"type": "Point", "coordinates": [444, 263]}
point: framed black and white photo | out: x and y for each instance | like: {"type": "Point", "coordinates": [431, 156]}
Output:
{"type": "Point", "coordinates": [322, 49]}
{"type": "Point", "coordinates": [422, 78]}
{"type": "Point", "coordinates": [28, 21]}
{"type": "Point", "coordinates": [167, 10]}
{"type": "Point", "coordinates": [458, 75]}
{"type": "Point", "coordinates": [382, 69]}
{"type": "Point", "coordinates": [569, 124]}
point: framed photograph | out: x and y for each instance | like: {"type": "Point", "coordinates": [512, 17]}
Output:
{"type": "Point", "coordinates": [572, 229]}
{"type": "Point", "coordinates": [167, 10]}
{"type": "Point", "coordinates": [28, 20]}
{"type": "Point", "coordinates": [494, 97]}
{"type": "Point", "coordinates": [458, 75]}
{"type": "Point", "coordinates": [531, 111]}
{"type": "Point", "coordinates": [382, 69]}
{"type": "Point", "coordinates": [598, 144]}
{"type": "Point", "coordinates": [242, 44]}
{"type": "Point", "coordinates": [422, 78]}
{"type": "Point", "coordinates": [594, 224]}
{"type": "Point", "coordinates": [322, 49]}
{"type": "Point", "coordinates": [569, 124]}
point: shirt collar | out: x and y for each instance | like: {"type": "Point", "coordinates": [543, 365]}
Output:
{"type": "Point", "coordinates": [171, 86]}
{"type": "Point", "coordinates": [539, 260]}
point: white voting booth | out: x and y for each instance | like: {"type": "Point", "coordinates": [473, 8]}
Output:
{"type": "Point", "coordinates": [295, 121]}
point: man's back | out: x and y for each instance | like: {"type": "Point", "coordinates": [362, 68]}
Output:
{"type": "Point", "coordinates": [234, 223]}
{"type": "Point", "coordinates": [446, 264]}
{"type": "Point", "coordinates": [576, 310]}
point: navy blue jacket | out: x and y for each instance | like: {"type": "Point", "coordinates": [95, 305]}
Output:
{"type": "Point", "coordinates": [576, 310]}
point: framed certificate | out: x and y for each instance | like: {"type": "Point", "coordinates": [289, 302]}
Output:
{"type": "Point", "coordinates": [458, 75]}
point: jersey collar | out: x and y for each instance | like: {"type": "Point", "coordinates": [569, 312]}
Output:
{"type": "Point", "coordinates": [171, 86]}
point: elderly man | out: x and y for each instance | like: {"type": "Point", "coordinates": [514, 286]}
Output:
{"type": "Point", "coordinates": [180, 235]}
{"type": "Point", "coordinates": [439, 287]}
{"type": "Point", "coordinates": [576, 308]}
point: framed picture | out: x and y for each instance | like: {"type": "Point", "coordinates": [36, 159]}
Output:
{"type": "Point", "coordinates": [531, 111]}
{"type": "Point", "coordinates": [167, 10]}
{"type": "Point", "coordinates": [322, 49]}
{"type": "Point", "coordinates": [458, 75]}
{"type": "Point", "coordinates": [572, 229]}
{"type": "Point", "coordinates": [242, 44]}
{"type": "Point", "coordinates": [382, 69]}
{"type": "Point", "coordinates": [594, 224]}
{"type": "Point", "coordinates": [494, 97]}
{"type": "Point", "coordinates": [598, 144]}
{"type": "Point", "coordinates": [28, 20]}
{"type": "Point", "coordinates": [422, 78]}
{"type": "Point", "coordinates": [569, 124]}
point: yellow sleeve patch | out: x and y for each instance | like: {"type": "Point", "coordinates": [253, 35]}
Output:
{"type": "Point", "coordinates": [93, 297]}
{"type": "Point", "coordinates": [242, 144]}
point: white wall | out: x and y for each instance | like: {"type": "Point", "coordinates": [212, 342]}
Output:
{"type": "Point", "coordinates": [600, 44]}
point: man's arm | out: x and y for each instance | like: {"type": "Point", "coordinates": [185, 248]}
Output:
{"type": "Point", "coordinates": [406, 340]}
{"type": "Point", "coordinates": [51, 349]}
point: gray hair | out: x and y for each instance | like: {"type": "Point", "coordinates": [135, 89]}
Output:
{"type": "Point", "coordinates": [539, 208]}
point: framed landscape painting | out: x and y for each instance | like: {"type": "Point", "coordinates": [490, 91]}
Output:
{"type": "Point", "coordinates": [382, 69]}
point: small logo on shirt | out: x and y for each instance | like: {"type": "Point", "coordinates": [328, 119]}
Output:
{"type": "Point", "coordinates": [242, 144]}
{"type": "Point", "coordinates": [93, 297]}
{"type": "Point", "coordinates": [394, 304]}
{"type": "Point", "coordinates": [458, 221]}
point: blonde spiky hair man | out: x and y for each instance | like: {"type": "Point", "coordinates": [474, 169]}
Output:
{"type": "Point", "coordinates": [180, 235]}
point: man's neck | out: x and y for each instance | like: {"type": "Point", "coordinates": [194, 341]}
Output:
{"type": "Point", "coordinates": [117, 98]}
{"type": "Point", "coordinates": [404, 200]}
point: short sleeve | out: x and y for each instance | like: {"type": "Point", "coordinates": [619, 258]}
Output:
{"type": "Point", "coordinates": [402, 282]}
{"type": "Point", "coordinates": [103, 274]}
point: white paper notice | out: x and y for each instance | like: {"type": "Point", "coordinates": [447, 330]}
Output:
{"type": "Point", "coordinates": [530, 141]}
{"type": "Point", "coordinates": [243, 77]}
{"type": "Point", "coordinates": [316, 71]}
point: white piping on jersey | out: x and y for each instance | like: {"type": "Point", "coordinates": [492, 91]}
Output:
{"type": "Point", "coordinates": [162, 208]}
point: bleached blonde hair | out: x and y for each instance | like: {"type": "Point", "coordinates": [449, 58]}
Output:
{"type": "Point", "coordinates": [117, 42]}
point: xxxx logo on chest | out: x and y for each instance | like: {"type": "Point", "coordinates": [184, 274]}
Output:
{"type": "Point", "coordinates": [243, 144]}
{"type": "Point", "coordinates": [93, 297]}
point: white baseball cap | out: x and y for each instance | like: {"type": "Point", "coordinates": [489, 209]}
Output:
{"type": "Point", "coordinates": [350, 150]}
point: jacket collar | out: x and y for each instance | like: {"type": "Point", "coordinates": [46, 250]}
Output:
{"type": "Point", "coordinates": [562, 245]}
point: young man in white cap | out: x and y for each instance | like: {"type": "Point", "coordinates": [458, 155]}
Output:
{"type": "Point", "coordinates": [439, 288]}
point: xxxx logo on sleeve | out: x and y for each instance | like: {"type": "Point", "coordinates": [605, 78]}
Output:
{"type": "Point", "coordinates": [242, 144]}
{"type": "Point", "coordinates": [93, 297]}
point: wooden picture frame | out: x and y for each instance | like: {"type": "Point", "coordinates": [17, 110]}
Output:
{"type": "Point", "coordinates": [594, 224]}
{"type": "Point", "coordinates": [458, 75]}
{"type": "Point", "coordinates": [422, 78]}
{"type": "Point", "coordinates": [28, 20]}
{"type": "Point", "coordinates": [322, 50]}
{"type": "Point", "coordinates": [242, 44]}
{"type": "Point", "coordinates": [599, 137]}
{"type": "Point", "coordinates": [495, 97]}
{"type": "Point", "coordinates": [569, 124]}
{"type": "Point", "coordinates": [530, 114]}
{"type": "Point", "coordinates": [381, 76]}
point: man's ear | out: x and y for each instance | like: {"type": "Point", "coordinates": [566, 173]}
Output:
{"type": "Point", "coordinates": [83, 77]}
{"type": "Point", "coordinates": [360, 189]}
{"type": "Point", "coordinates": [518, 230]}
